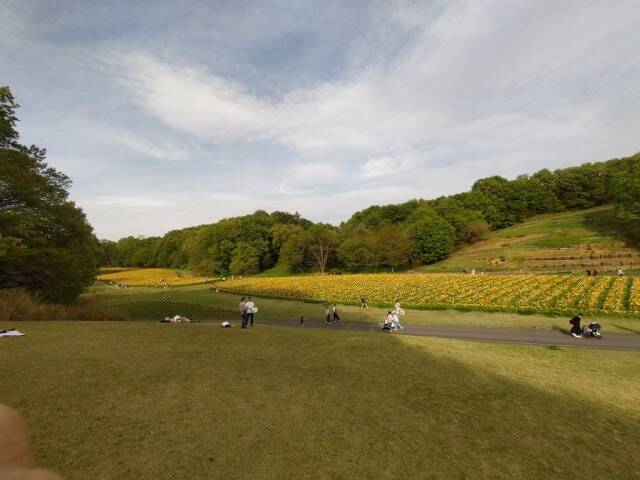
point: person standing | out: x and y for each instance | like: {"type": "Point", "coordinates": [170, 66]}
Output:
{"type": "Point", "coordinates": [251, 309]}
{"type": "Point", "coordinates": [620, 272]}
{"type": "Point", "coordinates": [327, 313]}
{"type": "Point", "coordinates": [363, 302]}
{"type": "Point", "coordinates": [336, 317]}
{"type": "Point", "coordinates": [576, 328]}
{"type": "Point", "coordinates": [398, 308]}
{"type": "Point", "coordinates": [243, 312]}
{"type": "Point", "coordinates": [395, 319]}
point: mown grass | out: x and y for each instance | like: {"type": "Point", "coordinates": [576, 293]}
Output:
{"type": "Point", "coordinates": [203, 303]}
{"type": "Point", "coordinates": [150, 401]}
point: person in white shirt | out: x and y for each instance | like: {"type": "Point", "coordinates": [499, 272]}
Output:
{"type": "Point", "coordinates": [395, 319]}
{"type": "Point", "coordinates": [398, 308]}
{"type": "Point", "coordinates": [250, 306]}
{"type": "Point", "coordinates": [388, 321]}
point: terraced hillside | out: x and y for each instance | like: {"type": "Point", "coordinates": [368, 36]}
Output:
{"type": "Point", "coordinates": [568, 241]}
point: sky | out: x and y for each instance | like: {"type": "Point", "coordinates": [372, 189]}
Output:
{"type": "Point", "coordinates": [171, 114]}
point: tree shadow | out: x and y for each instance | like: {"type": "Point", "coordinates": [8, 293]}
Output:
{"type": "Point", "coordinates": [305, 404]}
{"type": "Point", "coordinates": [606, 223]}
{"type": "Point", "coordinates": [478, 424]}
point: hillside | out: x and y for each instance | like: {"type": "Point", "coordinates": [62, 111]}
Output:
{"type": "Point", "coordinates": [567, 241]}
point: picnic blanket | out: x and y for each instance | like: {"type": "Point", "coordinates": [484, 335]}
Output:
{"type": "Point", "coordinates": [12, 332]}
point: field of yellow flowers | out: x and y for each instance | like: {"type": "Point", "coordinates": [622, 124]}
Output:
{"type": "Point", "coordinates": [152, 277]}
{"type": "Point", "coordinates": [562, 294]}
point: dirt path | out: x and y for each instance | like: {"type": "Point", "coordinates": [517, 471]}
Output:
{"type": "Point", "coordinates": [612, 341]}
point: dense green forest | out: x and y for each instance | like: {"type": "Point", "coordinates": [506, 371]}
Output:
{"type": "Point", "coordinates": [46, 244]}
{"type": "Point", "coordinates": [386, 237]}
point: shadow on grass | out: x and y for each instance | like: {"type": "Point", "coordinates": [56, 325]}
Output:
{"type": "Point", "coordinates": [200, 402]}
{"type": "Point", "coordinates": [606, 223]}
{"type": "Point", "coordinates": [558, 328]}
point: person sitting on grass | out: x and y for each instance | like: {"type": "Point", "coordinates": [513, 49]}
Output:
{"type": "Point", "coordinates": [576, 328]}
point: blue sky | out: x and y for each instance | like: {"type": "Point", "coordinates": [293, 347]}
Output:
{"type": "Point", "coordinates": [171, 114]}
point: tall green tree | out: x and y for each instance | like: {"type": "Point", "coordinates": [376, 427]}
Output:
{"type": "Point", "coordinates": [626, 191]}
{"type": "Point", "coordinates": [432, 235]}
{"type": "Point", "coordinates": [322, 241]}
{"type": "Point", "coordinates": [46, 244]}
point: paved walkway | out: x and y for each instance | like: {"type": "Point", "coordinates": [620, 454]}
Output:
{"type": "Point", "coordinates": [612, 341]}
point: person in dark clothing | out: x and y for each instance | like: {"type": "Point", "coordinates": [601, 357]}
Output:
{"type": "Point", "coordinates": [302, 321]}
{"type": "Point", "coordinates": [576, 328]}
{"type": "Point", "coordinates": [336, 317]}
{"type": "Point", "coordinates": [243, 312]}
{"type": "Point", "coordinates": [363, 302]}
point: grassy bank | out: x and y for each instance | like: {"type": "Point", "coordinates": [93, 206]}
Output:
{"type": "Point", "coordinates": [145, 400]}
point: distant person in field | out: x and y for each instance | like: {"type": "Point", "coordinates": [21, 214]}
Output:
{"type": "Point", "coordinates": [363, 302]}
{"type": "Point", "coordinates": [334, 310]}
{"type": "Point", "coordinates": [251, 308]}
{"type": "Point", "coordinates": [388, 321]}
{"type": "Point", "coordinates": [395, 318]}
{"type": "Point", "coordinates": [243, 312]}
{"type": "Point", "coordinates": [620, 272]}
{"type": "Point", "coordinates": [398, 308]}
{"type": "Point", "coordinates": [576, 328]}
{"type": "Point", "coordinates": [327, 313]}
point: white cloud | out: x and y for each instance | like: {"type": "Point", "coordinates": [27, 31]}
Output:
{"type": "Point", "coordinates": [154, 149]}
{"type": "Point", "coordinates": [144, 202]}
{"type": "Point", "coordinates": [463, 80]}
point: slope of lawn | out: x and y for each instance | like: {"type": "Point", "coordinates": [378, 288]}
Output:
{"type": "Point", "coordinates": [564, 241]}
{"type": "Point", "coordinates": [140, 400]}
{"type": "Point", "coordinates": [202, 303]}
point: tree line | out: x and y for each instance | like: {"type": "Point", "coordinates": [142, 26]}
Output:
{"type": "Point", "coordinates": [46, 244]}
{"type": "Point", "coordinates": [48, 247]}
{"type": "Point", "coordinates": [390, 237]}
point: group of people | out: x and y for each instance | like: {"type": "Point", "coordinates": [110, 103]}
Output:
{"type": "Point", "coordinates": [579, 331]}
{"type": "Point", "coordinates": [331, 313]}
{"type": "Point", "coordinates": [392, 320]}
{"type": "Point", "coordinates": [247, 309]}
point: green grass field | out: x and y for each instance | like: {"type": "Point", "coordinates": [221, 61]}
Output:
{"type": "Point", "coordinates": [200, 302]}
{"type": "Point", "coordinates": [153, 401]}
{"type": "Point", "coordinates": [578, 234]}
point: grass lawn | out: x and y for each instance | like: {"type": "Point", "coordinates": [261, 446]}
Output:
{"type": "Point", "coordinates": [152, 401]}
{"type": "Point", "coordinates": [201, 303]}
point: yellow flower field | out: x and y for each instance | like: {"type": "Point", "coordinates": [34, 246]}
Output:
{"type": "Point", "coordinates": [152, 277]}
{"type": "Point", "coordinates": [563, 294]}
